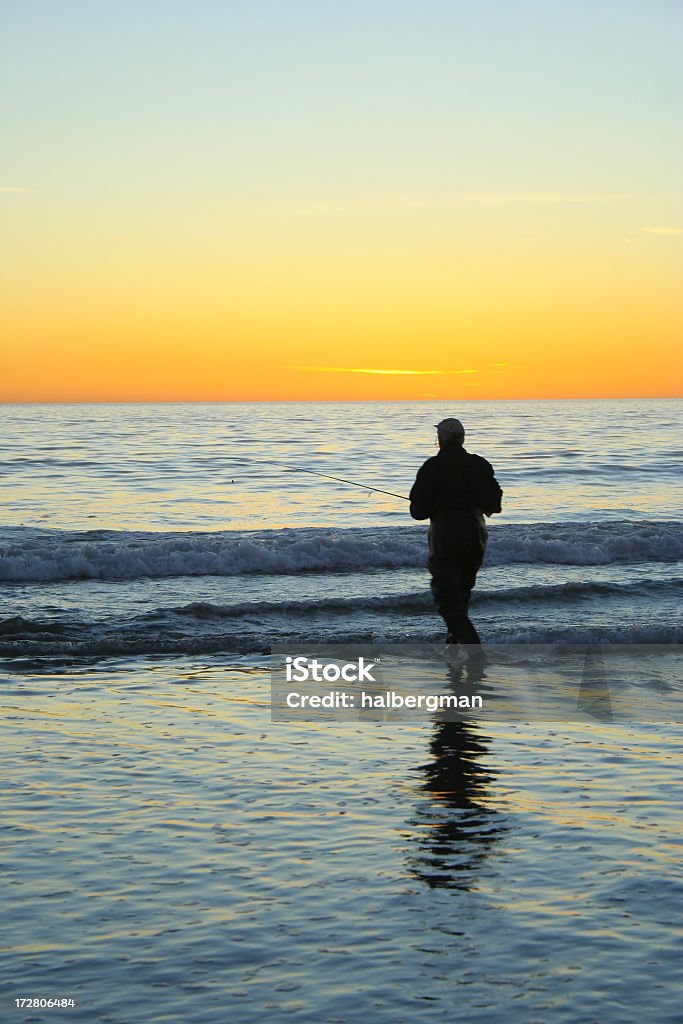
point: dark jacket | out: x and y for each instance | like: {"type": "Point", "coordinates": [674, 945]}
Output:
{"type": "Point", "coordinates": [453, 481]}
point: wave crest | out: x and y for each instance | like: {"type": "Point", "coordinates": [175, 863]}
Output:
{"type": "Point", "coordinates": [33, 555]}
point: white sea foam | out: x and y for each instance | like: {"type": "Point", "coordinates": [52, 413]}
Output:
{"type": "Point", "coordinates": [28, 555]}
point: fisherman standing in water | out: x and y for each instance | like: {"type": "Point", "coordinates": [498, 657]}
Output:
{"type": "Point", "coordinates": [454, 490]}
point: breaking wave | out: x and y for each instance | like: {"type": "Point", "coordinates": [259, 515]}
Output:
{"type": "Point", "coordinates": [33, 555]}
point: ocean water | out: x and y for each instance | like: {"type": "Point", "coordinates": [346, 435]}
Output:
{"type": "Point", "coordinates": [177, 529]}
{"type": "Point", "coordinates": [172, 854]}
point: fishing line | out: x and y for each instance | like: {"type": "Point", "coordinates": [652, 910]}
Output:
{"type": "Point", "coordinates": [339, 479]}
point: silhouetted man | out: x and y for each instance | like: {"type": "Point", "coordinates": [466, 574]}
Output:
{"type": "Point", "coordinates": [454, 490]}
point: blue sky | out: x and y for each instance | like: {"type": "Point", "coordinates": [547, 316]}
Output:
{"type": "Point", "coordinates": [291, 98]}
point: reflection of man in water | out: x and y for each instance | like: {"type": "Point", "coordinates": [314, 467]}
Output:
{"type": "Point", "coordinates": [456, 829]}
{"type": "Point", "coordinates": [454, 490]}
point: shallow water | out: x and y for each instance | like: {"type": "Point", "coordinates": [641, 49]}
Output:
{"type": "Point", "coordinates": [172, 854]}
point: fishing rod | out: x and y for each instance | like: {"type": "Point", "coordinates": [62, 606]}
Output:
{"type": "Point", "coordinates": [339, 479]}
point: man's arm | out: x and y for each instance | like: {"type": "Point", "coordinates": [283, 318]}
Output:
{"type": "Point", "coordinates": [489, 493]}
{"type": "Point", "coordinates": [421, 493]}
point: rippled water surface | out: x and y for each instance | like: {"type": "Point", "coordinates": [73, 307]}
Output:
{"type": "Point", "coordinates": [170, 854]}
{"type": "Point", "coordinates": [182, 467]}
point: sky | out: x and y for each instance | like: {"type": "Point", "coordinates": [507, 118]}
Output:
{"type": "Point", "coordinates": [317, 199]}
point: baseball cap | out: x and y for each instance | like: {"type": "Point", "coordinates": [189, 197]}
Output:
{"type": "Point", "coordinates": [450, 428]}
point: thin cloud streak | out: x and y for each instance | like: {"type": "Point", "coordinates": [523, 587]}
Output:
{"type": "Point", "coordinates": [663, 231]}
{"type": "Point", "coordinates": [546, 198]}
{"type": "Point", "coordinates": [377, 370]}
{"type": "Point", "coordinates": [427, 199]}
{"type": "Point", "coordinates": [13, 188]}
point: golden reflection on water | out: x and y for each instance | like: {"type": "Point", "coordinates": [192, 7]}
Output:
{"type": "Point", "coordinates": [202, 466]}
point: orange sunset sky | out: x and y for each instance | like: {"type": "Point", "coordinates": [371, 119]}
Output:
{"type": "Point", "coordinates": [353, 200]}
